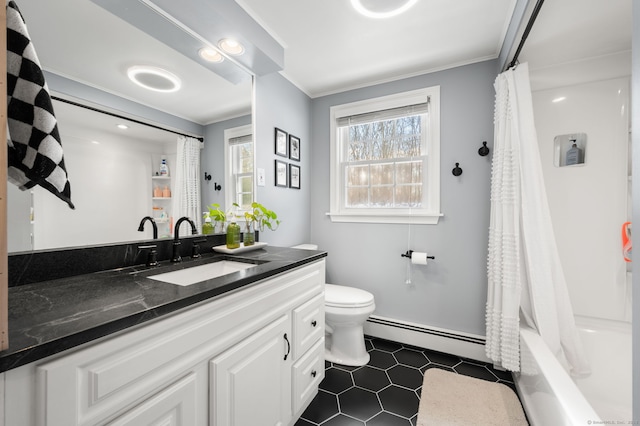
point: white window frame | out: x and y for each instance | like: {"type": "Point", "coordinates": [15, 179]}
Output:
{"type": "Point", "coordinates": [230, 192]}
{"type": "Point", "coordinates": [428, 215]}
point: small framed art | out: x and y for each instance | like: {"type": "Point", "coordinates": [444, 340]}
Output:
{"type": "Point", "coordinates": [294, 147]}
{"type": "Point", "coordinates": [281, 142]}
{"type": "Point", "coordinates": [294, 176]}
{"type": "Point", "coordinates": [281, 173]}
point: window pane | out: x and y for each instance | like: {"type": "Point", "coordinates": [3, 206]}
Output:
{"type": "Point", "coordinates": [245, 201]}
{"type": "Point", "coordinates": [409, 196]}
{"type": "Point", "coordinates": [245, 156]}
{"type": "Point", "coordinates": [382, 174]}
{"type": "Point", "coordinates": [357, 197]}
{"type": "Point", "coordinates": [386, 173]}
{"type": "Point", "coordinates": [357, 175]}
{"type": "Point", "coordinates": [245, 183]}
{"type": "Point", "coordinates": [382, 196]}
{"type": "Point", "coordinates": [409, 172]}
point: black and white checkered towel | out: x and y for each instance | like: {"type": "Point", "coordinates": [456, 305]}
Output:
{"type": "Point", "coordinates": [34, 148]}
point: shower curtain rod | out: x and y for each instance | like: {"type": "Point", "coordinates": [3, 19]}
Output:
{"type": "Point", "coordinates": [527, 30]}
{"type": "Point", "coordinates": [200, 138]}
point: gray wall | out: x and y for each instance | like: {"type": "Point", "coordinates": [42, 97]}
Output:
{"type": "Point", "coordinates": [278, 103]}
{"type": "Point", "coordinates": [450, 292]}
{"type": "Point", "coordinates": [212, 159]}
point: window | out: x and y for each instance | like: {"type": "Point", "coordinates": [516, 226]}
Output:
{"type": "Point", "coordinates": [239, 181]}
{"type": "Point", "coordinates": [385, 162]}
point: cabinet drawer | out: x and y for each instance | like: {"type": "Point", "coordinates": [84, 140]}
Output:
{"type": "Point", "coordinates": [308, 324]}
{"type": "Point", "coordinates": [173, 406]}
{"type": "Point", "coordinates": [308, 372]}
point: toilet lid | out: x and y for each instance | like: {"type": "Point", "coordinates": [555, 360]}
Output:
{"type": "Point", "coordinates": [338, 295]}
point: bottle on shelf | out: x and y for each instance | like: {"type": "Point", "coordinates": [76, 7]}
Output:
{"type": "Point", "coordinates": [574, 154]}
{"type": "Point", "coordinates": [164, 168]}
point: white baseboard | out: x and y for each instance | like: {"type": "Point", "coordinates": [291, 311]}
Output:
{"type": "Point", "coordinates": [448, 341]}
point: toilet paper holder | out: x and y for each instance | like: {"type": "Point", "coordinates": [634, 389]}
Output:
{"type": "Point", "coordinates": [410, 252]}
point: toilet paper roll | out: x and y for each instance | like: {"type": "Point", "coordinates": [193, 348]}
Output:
{"type": "Point", "coordinates": [418, 258]}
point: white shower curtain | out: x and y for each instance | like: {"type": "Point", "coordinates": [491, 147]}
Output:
{"type": "Point", "coordinates": [186, 193]}
{"type": "Point", "coordinates": [525, 277]}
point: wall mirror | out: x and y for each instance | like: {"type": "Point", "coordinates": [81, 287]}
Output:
{"type": "Point", "coordinates": [111, 169]}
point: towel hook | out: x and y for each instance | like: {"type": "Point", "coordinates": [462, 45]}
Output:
{"type": "Point", "coordinates": [484, 149]}
{"type": "Point", "coordinates": [457, 171]}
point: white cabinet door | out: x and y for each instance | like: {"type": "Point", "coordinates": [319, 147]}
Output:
{"type": "Point", "coordinates": [173, 406]}
{"type": "Point", "coordinates": [251, 381]}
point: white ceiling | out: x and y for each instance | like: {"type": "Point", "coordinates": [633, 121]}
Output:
{"type": "Point", "coordinates": [329, 48]}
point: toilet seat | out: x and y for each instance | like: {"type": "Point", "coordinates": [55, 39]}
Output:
{"type": "Point", "coordinates": [346, 297]}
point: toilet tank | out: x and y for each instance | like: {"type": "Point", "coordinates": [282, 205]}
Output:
{"type": "Point", "coordinates": [306, 247]}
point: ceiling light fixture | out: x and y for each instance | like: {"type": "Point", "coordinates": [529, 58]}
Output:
{"type": "Point", "coordinates": [381, 9]}
{"type": "Point", "coordinates": [122, 126]}
{"type": "Point", "coordinates": [560, 99]}
{"type": "Point", "coordinates": [210, 55]}
{"type": "Point", "coordinates": [231, 46]}
{"type": "Point", "coordinates": [153, 78]}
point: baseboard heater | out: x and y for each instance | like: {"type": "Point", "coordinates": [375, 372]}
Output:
{"type": "Point", "coordinates": [462, 344]}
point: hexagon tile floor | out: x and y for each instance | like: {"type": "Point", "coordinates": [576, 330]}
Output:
{"type": "Point", "coordinates": [385, 392]}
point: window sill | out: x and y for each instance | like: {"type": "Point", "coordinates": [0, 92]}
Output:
{"type": "Point", "coordinates": [417, 218]}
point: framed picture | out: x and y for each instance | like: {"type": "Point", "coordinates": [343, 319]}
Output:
{"type": "Point", "coordinates": [294, 148]}
{"type": "Point", "coordinates": [281, 142]}
{"type": "Point", "coordinates": [281, 173]}
{"type": "Point", "coordinates": [294, 176]}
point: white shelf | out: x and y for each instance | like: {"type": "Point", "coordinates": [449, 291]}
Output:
{"type": "Point", "coordinates": [161, 198]}
{"type": "Point", "coordinates": [161, 177]}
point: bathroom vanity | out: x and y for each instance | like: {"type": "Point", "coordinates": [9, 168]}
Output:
{"type": "Point", "coordinates": [244, 348]}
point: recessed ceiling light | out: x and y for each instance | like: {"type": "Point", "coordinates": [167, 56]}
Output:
{"type": "Point", "coordinates": [210, 55]}
{"type": "Point", "coordinates": [154, 78]}
{"type": "Point", "coordinates": [122, 126]}
{"type": "Point", "coordinates": [380, 9]}
{"type": "Point", "coordinates": [95, 142]}
{"type": "Point", "coordinates": [560, 99]}
{"type": "Point", "coordinates": [231, 46]}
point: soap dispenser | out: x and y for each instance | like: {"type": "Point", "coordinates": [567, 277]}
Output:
{"type": "Point", "coordinates": [207, 226]}
{"type": "Point", "coordinates": [164, 168]}
{"type": "Point", "coordinates": [574, 155]}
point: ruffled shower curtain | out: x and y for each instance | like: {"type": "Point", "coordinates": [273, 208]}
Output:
{"type": "Point", "coordinates": [186, 192]}
{"type": "Point", "coordinates": [525, 277]}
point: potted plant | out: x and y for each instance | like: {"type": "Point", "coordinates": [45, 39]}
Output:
{"type": "Point", "coordinates": [258, 217]}
{"type": "Point", "coordinates": [265, 218]}
{"type": "Point", "coordinates": [219, 216]}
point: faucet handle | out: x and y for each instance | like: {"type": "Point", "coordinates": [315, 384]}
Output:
{"type": "Point", "coordinates": [175, 258]}
{"type": "Point", "coordinates": [152, 256]}
{"type": "Point", "coordinates": [195, 249]}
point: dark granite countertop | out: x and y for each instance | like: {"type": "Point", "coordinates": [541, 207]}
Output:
{"type": "Point", "coordinates": [49, 317]}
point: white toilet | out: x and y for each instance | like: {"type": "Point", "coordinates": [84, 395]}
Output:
{"type": "Point", "coordinates": [345, 311]}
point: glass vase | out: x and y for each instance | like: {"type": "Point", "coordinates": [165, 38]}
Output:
{"type": "Point", "coordinates": [233, 236]}
{"type": "Point", "coordinates": [249, 237]}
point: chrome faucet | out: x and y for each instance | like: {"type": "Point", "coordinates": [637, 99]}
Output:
{"type": "Point", "coordinates": [153, 223]}
{"type": "Point", "coordinates": [176, 237]}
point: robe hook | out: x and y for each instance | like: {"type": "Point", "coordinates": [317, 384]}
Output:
{"type": "Point", "coordinates": [484, 149]}
{"type": "Point", "coordinates": [457, 171]}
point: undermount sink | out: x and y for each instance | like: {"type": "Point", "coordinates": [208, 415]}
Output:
{"type": "Point", "coordinates": [196, 274]}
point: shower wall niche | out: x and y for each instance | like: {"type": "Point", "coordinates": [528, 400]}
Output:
{"type": "Point", "coordinates": [570, 149]}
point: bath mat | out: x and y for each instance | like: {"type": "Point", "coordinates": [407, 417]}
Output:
{"type": "Point", "coordinates": [450, 399]}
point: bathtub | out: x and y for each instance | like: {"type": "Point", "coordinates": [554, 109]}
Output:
{"type": "Point", "coordinates": [550, 395]}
